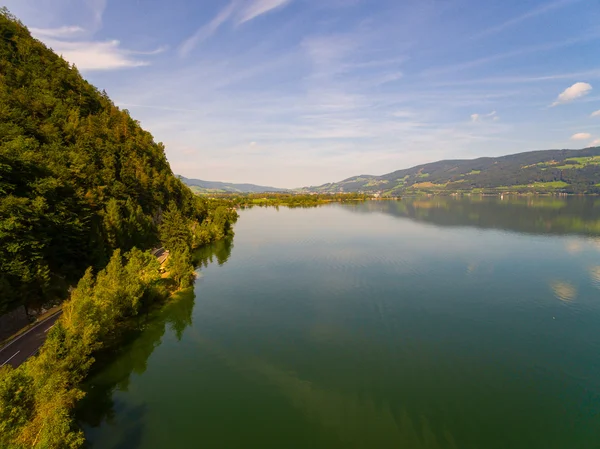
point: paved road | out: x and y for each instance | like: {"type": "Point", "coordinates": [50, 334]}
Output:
{"type": "Point", "coordinates": [161, 254]}
{"type": "Point", "coordinates": [24, 346]}
{"type": "Point", "coordinates": [27, 344]}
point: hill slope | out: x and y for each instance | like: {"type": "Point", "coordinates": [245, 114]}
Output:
{"type": "Point", "coordinates": [197, 185]}
{"type": "Point", "coordinates": [569, 171]}
{"type": "Point", "coordinates": [79, 178]}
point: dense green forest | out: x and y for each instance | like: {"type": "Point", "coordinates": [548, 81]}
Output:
{"type": "Point", "coordinates": [85, 192]}
{"type": "Point", "coordinates": [79, 178]}
{"type": "Point", "coordinates": [38, 398]}
{"type": "Point", "coordinates": [562, 171]}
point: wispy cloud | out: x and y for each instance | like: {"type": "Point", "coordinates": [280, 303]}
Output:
{"type": "Point", "coordinates": [233, 11]}
{"type": "Point", "coordinates": [524, 17]}
{"type": "Point", "coordinates": [581, 136]}
{"type": "Point", "coordinates": [207, 30]}
{"type": "Point", "coordinates": [388, 78]}
{"type": "Point", "coordinates": [512, 54]}
{"type": "Point", "coordinates": [595, 113]}
{"type": "Point", "coordinates": [595, 143]}
{"type": "Point", "coordinates": [329, 92]}
{"type": "Point", "coordinates": [574, 92]}
{"type": "Point", "coordinates": [156, 51]}
{"type": "Point", "coordinates": [258, 7]}
{"type": "Point", "coordinates": [481, 117]}
{"type": "Point", "coordinates": [330, 55]}
{"type": "Point", "coordinates": [97, 8]}
{"type": "Point", "coordinates": [590, 74]}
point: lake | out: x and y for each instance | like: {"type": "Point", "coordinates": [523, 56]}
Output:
{"type": "Point", "coordinates": [423, 323]}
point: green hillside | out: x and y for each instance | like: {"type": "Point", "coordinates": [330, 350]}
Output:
{"type": "Point", "coordinates": [568, 171]}
{"type": "Point", "coordinates": [79, 177]}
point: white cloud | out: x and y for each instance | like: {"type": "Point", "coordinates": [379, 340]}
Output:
{"type": "Point", "coordinates": [57, 33]}
{"type": "Point", "coordinates": [76, 45]}
{"type": "Point", "coordinates": [481, 117]}
{"type": "Point", "coordinates": [107, 55]}
{"type": "Point", "coordinates": [595, 143]}
{"type": "Point", "coordinates": [581, 136]}
{"type": "Point", "coordinates": [596, 113]}
{"type": "Point", "coordinates": [207, 30]}
{"type": "Point", "coordinates": [259, 7]}
{"type": "Point", "coordinates": [574, 92]}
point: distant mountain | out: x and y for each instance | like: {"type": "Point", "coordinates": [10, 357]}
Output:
{"type": "Point", "coordinates": [200, 186]}
{"type": "Point", "coordinates": [568, 171]}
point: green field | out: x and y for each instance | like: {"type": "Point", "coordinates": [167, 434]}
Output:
{"type": "Point", "coordinates": [537, 186]}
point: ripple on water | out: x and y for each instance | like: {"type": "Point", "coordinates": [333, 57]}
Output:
{"type": "Point", "coordinates": [595, 275]}
{"type": "Point", "coordinates": [595, 242]}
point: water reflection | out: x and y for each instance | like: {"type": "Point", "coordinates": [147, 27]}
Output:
{"type": "Point", "coordinates": [564, 290]}
{"type": "Point", "coordinates": [356, 420]}
{"type": "Point", "coordinates": [537, 215]}
{"type": "Point", "coordinates": [113, 370]}
{"type": "Point", "coordinates": [132, 357]}
{"type": "Point", "coordinates": [219, 251]}
{"type": "Point", "coordinates": [595, 275]}
{"type": "Point", "coordinates": [574, 247]}
{"type": "Point", "coordinates": [334, 329]}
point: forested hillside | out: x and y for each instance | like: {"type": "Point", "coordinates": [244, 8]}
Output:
{"type": "Point", "coordinates": [567, 171]}
{"type": "Point", "coordinates": [79, 177]}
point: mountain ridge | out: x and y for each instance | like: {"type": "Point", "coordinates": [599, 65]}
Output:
{"type": "Point", "coordinates": [201, 186]}
{"type": "Point", "coordinates": [568, 171]}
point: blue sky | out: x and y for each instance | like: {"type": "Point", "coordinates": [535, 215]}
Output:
{"type": "Point", "coordinates": [302, 92]}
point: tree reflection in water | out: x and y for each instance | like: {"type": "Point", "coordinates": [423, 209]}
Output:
{"type": "Point", "coordinates": [524, 214]}
{"type": "Point", "coordinates": [114, 368]}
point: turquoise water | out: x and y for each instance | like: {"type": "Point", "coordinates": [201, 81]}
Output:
{"type": "Point", "coordinates": [434, 323]}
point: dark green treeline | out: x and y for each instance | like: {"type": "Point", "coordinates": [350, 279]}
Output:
{"type": "Point", "coordinates": [79, 178]}
{"type": "Point", "coordinates": [84, 193]}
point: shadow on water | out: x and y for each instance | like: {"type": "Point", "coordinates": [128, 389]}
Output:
{"type": "Point", "coordinates": [113, 369]}
{"type": "Point", "coordinates": [529, 215]}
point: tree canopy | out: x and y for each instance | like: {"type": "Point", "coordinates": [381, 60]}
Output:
{"type": "Point", "coordinates": [79, 177]}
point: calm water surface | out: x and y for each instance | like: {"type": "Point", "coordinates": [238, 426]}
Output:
{"type": "Point", "coordinates": [416, 324]}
